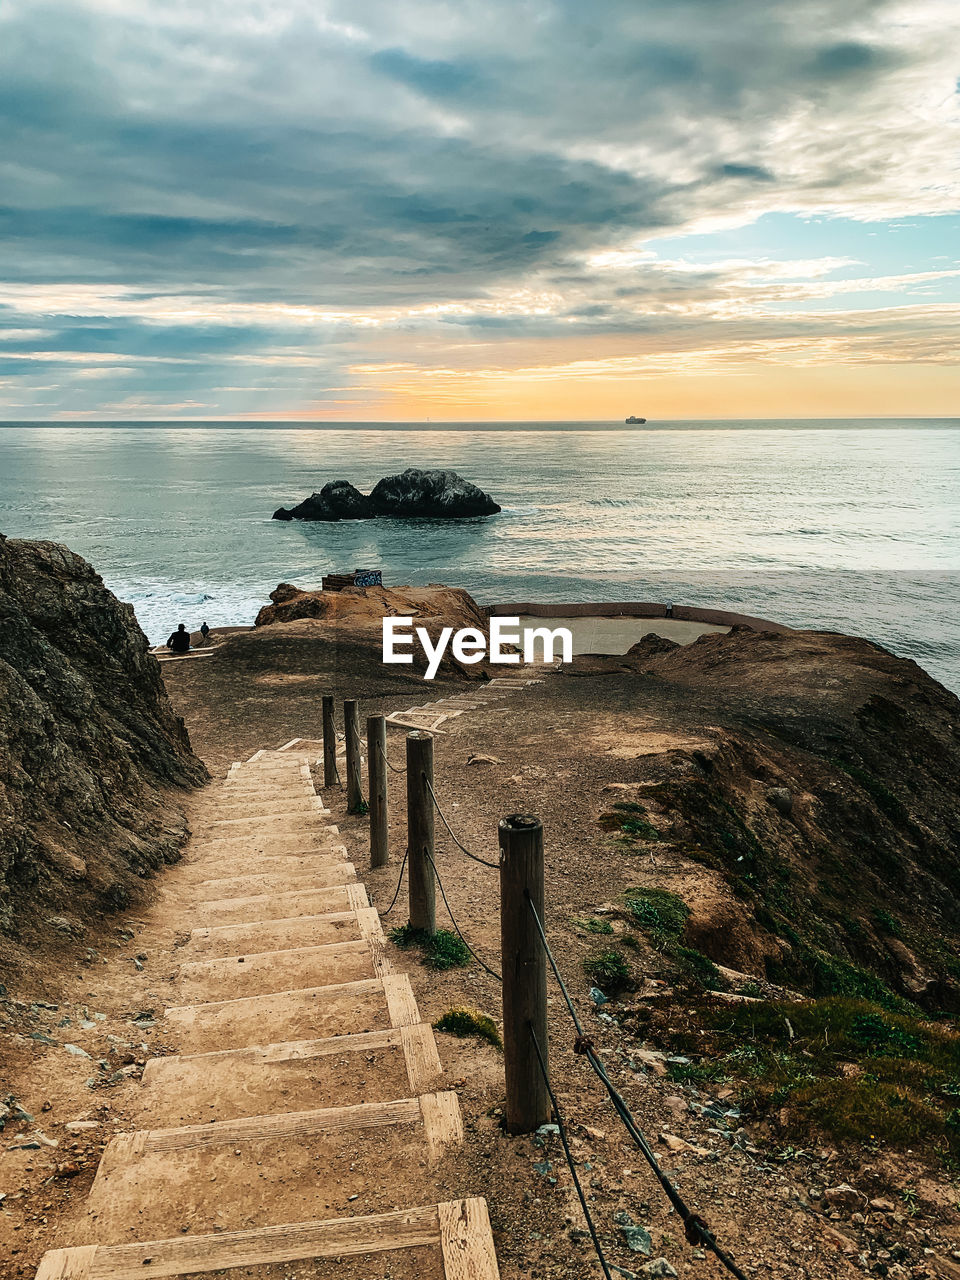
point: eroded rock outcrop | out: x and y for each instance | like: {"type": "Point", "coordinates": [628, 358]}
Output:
{"type": "Point", "coordinates": [414, 494]}
{"type": "Point", "coordinates": [353, 619]}
{"type": "Point", "coordinates": [90, 749]}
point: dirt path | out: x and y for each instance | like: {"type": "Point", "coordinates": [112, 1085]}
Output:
{"type": "Point", "coordinates": [302, 1116]}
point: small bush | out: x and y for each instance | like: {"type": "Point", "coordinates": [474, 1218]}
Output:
{"type": "Point", "coordinates": [609, 971]}
{"type": "Point", "coordinates": [442, 951]}
{"type": "Point", "coordinates": [877, 1035]}
{"type": "Point", "coordinates": [469, 1022]}
{"type": "Point", "coordinates": [406, 936]}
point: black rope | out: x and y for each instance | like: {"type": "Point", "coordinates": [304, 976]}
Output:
{"type": "Point", "coordinates": [494, 866]}
{"type": "Point", "coordinates": [557, 1115]}
{"type": "Point", "coordinates": [456, 926]}
{"type": "Point", "coordinates": [695, 1228]}
{"type": "Point", "coordinates": [383, 756]}
{"type": "Point", "coordinates": [399, 883]}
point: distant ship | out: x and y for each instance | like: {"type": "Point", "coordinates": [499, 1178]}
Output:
{"type": "Point", "coordinates": [634, 422]}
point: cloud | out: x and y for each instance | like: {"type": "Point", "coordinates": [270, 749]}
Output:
{"type": "Point", "coordinates": [298, 184]}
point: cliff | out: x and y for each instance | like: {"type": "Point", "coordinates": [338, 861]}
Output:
{"type": "Point", "coordinates": [813, 827]}
{"type": "Point", "coordinates": [90, 749]}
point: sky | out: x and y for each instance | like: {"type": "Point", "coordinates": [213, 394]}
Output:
{"type": "Point", "coordinates": [394, 210]}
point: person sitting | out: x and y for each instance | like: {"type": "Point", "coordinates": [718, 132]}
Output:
{"type": "Point", "coordinates": [179, 642]}
{"type": "Point", "coordinates": [204, 630]}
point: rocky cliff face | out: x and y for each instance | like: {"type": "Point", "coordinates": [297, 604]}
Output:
{"type": "Point", "coordinates": [414, 494]}
{"type": "Point", "coordinates": [90, 749]}
{"type": "Point", "coordinates": [817, 818]}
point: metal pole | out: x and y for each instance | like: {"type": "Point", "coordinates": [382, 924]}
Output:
{"type": "Point", "coordinates": [329, 742]}
{"type": "Point", "coordinates": [423, 906]}
{"type": "Point", "coordinates": [377, 784]}
{"type": "Point", "coordinates": [524, 971]}
{"type": "Point", "coordinates": [351, 732]}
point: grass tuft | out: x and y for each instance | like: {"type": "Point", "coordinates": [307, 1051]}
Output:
{"type": "Point", "coordinates": [609, 971]}
{"type": "Point", "coordinates": [593, 925]}
{"type": "Point", "coordinates": [661, 913]}
{"type": "Point", "coordinates": [469, 1022]}
{"type": "Point", "coordinates": [443, 950]}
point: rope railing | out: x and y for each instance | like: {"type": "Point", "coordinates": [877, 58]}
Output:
{"type": "Point", "coordinates": [492, 972]}
{"type": "Point", "coordinates": [494, 866]}
{"type": "Point", "coordinates": [695, 1228]}
{"type": "Point", "coordinates": [383, 757]}
{"type": "Point", "coordinates": [396, 895]}
{"type": "Point", "coordinates": [558, 1117]}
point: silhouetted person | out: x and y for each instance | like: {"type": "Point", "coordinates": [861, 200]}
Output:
{"type": "Point", "coordinates": [204, 630]}
{"type": "Point", "coordinates": [179, 642]}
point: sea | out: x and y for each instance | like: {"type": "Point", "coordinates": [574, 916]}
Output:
{"type": "Point", "coordinates": [846, 525]}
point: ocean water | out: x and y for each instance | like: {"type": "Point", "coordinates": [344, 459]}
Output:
{"type": "Point", "coordinates": [843, 525]}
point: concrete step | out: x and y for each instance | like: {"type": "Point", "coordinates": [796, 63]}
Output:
{"type": "Point", "coordinates": [261, 1171]}
{"type": "Point", "coordinates": [370, 1004]}
{"type": "Point", "coordinates": [373, 1066]}
{"type": "Point", "coordinates": [324, 873]}
{"type": "Point", "coordinates": [262, 822]}
{"type": "Point", "coordinates": [270, 844]}
{"type": "Point", "coordinates": [275, 805]}
{"type": "Point", "coordinates": [275, 935]}
{"type": "Point", "coordinates": [259, 973]}
{"type": "Point", "coordinates": [204, 868]}
{"type": "Point", "coordinates": [274, 906]}
{"type": "Point", "coordinates": [457, 1231]}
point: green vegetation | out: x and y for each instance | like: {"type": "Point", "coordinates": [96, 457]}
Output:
{"type": "Point", "coordinates": [660, 913]}
{"type": "Point", "coordinates": [609, 971]}
{"type": "Point", "coordinates": [629, 819]}
{"type": "Point", "coordinates": [593, 925]}
{"type": "Point", "coordinates": [836, 1066]}
{"type": "Point", "coordinates": [886, 923]}
{"type": "Point", "coordinates": [443, 950]}
{"type": "Point", "coordinates": [662, 916]}
{"type": "Point", "coordinates": [694, 964]}
{"type": "Point", "coordinates": [469, 1022]}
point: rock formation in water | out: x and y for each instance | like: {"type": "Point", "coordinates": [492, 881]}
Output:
{"type": "Point", "coordinates": [338, 500]}
{"type": "Point", "coordinates": [414, 494]}
{"type": "Point", "coordinates": [90, 748]}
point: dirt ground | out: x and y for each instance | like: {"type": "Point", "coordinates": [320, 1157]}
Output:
{"type": "Point", "coordinates": [560, 750]}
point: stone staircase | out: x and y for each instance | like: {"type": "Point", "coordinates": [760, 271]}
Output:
{"type": "Point", "coordinates": [305, 1103]}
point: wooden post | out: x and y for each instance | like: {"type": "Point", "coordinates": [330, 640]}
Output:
{"type": "Point", "coordinates": [329, 742]}
{"type": "Point", "coordinates": [377, 784]}
{"type": "Point", "coordinates": [524, 971]}
{"type": "Point", "coordinates": [420, 875]}
{"type": "Point", "coordinates": [351, 733]}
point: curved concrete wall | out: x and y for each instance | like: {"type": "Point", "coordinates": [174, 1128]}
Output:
{"type": "Point", "coordinates": [637, 609]}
